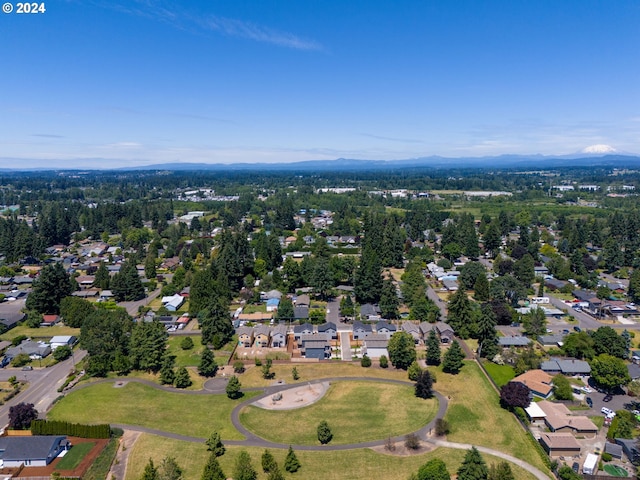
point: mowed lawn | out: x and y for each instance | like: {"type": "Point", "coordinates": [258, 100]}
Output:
{"type": "Point", "coordinates": [185, 358]}
{"type": "Point", "coordinates": [360, 464]}
{"type": "Point", "coordinates": [137, 404]}
{"type": "Point", "coordinates": [475, 415]}
{"type": "Point", "coordinates": [356, 412]}
{"type": "Point", "coordinates": [74, 456]}
{"type": "Point", "coordinates": [501, 374]}
{"type": "Point", "coordinates": [38, 333]}
{"type": "Point", "coordinates": [252, 377]}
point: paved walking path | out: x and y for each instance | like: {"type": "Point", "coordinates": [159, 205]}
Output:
{"type": "Point", "coordinates": [252, 440]}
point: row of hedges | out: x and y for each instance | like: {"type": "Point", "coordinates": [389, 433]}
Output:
{"type": "Point", "coordinates": [55, 427]}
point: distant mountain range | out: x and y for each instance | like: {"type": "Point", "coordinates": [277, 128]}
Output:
{"type": "Point", "coordinates": [532, 162]}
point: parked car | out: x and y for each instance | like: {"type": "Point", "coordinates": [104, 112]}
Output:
{"type": "Point", "coordinates": [606, 411]}
{"type": "Point", "coordinates": [28, 367]}
{"type": "Point", "coordinates": [577, 329]}
{"type": "Point", "coordinates": [586, 390]}
{"type": "Point", "coordinates": [589, 402]}
{"type": "Point", "coordinates": [575, 467]}
{"type": "Point", "coordinates": [607, 398]}
{"type": "Point", "coordinates": [565, 331]}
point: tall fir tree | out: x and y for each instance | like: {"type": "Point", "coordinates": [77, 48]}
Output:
{"type": "Point", "coordinates": [389, 302]}
{"type": "Point", "coordinates": [452, 361]}
{"type": "Point", "coordinates": [433, 349]}
{"type": "Point", "coordinates": [473, 466]}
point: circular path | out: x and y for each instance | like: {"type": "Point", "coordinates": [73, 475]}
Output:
{"type": "Point", "coordinates": [252, 440]}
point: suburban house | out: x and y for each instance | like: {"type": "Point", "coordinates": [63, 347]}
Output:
{"type": "Point", "coordinates": [302, 301]}
{"type": "Point", "coordinates": [31, 451]}
{"type": "Point", "coordinates": [272, 304]}
{"type": "Point", "coordinates": [551, 340]}
{"type": "Point", "coordinates": [279, 336]}
{"type": "Point", "coordinates": [613, 449]}
{"type": "Point", "coordinates": [60, 340]}
{"type": "Point", "coordinates": [329, 329]}
{"type": "Point", "coordinates": [554, 284]}
{"type": "Point", "coordinates": [385, 329]}
{"type": "Point", "coordinates": [566, 367]}
{"type": "Point", "coordinates": [513, 341]}
{"type": "Point", "coordinates": [629, 448]}
{"type": "Point", "coordinates": [31, 348]}
{"type": "Point", "coordinates": [540, 383]}
{"type": "Point", "coordinates": [245, 336]}
{"type": "Point", "coordinates": [264, 296]}
{"type": "Point", "coordinates": [361, 330]}
{"type": "Point", "coordinates": [49, 320]}
{"type": "Point", "coordinates": [559, 418]}
{"type": "Point", "coordinates": [173, 302]}
{"type": "Point", "coordinates": [315, 346]}
{"type": "Point", "coordinates": [311, 337]}
{"type": "Point", "coordinates": [370, 312]}
{"type": "Point", "coordinates": [261, 336]}
{"type": "Point", "coordinates": [304, 329]}
{"type": "Point", "coordinates": [10, 320]}
{"type": "Point", "coordinates": [413, 330]}
{"type": "Point", "coordinates": [375, 346]}
{"type": "Point", "coordinates": [443, 330]}
{"type": "Point", "coordinates": [559, 444]}
{"type": "Point", "coordinates": [300, 312]}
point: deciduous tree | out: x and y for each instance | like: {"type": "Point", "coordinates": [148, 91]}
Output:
{"type": "Point", "coordinates": [21, 416]}
{"type": "Point", "coordinates": [402, 350]}
{"type": "Point", "coordinates": [609, 372]}
{"type": "Point", "coordinates": [515, 394]}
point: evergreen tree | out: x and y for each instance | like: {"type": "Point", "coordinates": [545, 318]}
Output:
{"type": "Point", "coordinates": [434, 469]}
{"type": "Point", "coordinates": [167, 375]}
{"type": "Point", "coordinates": [389, 300]}
{"type": "Point", "coordinates": [523, 270]}
{"type": "Point", "coordinates": [473, 466]}
{"type": "Point", "coordinates": [492, 239]}
{"type": "Point", "coordinates": [150, 267]}
{"type": "Point", "coordinates": [233, 388]}
{"type": "Point", "coordinates": [102, 279]}
{"type": "Point", "coordinates": [321, 280]}
{"type": "Point", "coordinates": [49, 289]}
{"type": "Point", "coordinates": [215, 323]}
{"type": "Point", "coordinates": [215, 445]}
{"type": "Point", "coordinates": [634, 285]}
{"type": "Point", "coordinates": [291, 463]}
{"type": "Point", "coordinates": [433, 349]}
{"type": "Point", "coordinates": [182, 378]}
{"type": "Point", "coordinates": [126, 284]}
{"type": "Point", "coordinates": [150, 471]}
{"type": "Point", "coordinates": [147, 345]}
{"type": "Point", "coordinates": [74, 310]}
{"type": "Point", "coordinates": [285, 310]}
{"type": "Point", "coordinates": [208, 366]}
{"type": "Point", "coordinates": [324, 432]}
{"type": "Point", "coordinates": [243, 469]}
{"type": "Point", "coordinates": [212, 469]}
{"type": "Point", "coordinates": [460, 315]}
{"type": "Point", "coordinates": [481, 289]}
{"type": "Point", "coordinates": [393, 245]}
{"type": "Point", "coordinates": [268, 462]}
{"type": "Point", "coordinates": [487, 334]}
{"type": "Point", "coordinates": [500, 471]}
{"type": "Point", "coordinates": [414, 370]}
{"type": "Point", "coordinates": [424, 385]}
{"type": "Point", "coordinates": [368, 277]}
{"type": "Point", "coordinates": [169, 469]}
{"type": "Point", "coordinates": [452, 361]}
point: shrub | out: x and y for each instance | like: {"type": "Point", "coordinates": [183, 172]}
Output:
{"type": "Point", "coordinates": [365, 361]}
{"type": "Point", "coordinates": [324, 432]}
{"type": "Point", "coordinates": [607, 457]}
{"type": "Point", "coordinates": [186, 343]}
{"type": "Point", "coordinates": [384, 362]}
{"type": "Point", "coordinates": [442, 427]}
{"type": "Point", "coordinates": [20, 360]}
{"type": "Point", "coordinates": [238, 367]}
{"type": "Point", "coordinates": [411, 441]}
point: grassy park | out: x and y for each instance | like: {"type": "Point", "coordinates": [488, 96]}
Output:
{"type": "Point", "coordinates": [360, 464]}
{"type": "Point", "coordinates": [356, 411]}
{"type": "Point", "coordinates": [137, 404]}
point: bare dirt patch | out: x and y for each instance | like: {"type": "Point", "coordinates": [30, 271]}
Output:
{"type": "Point", "coordinates": [292, 398]}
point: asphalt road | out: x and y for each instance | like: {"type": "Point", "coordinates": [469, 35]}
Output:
{"type": "Point", "coordinates": [42, 385]}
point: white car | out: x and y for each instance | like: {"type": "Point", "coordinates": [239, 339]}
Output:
{"type": "Point", "coordinates": [587, 390]}
{"type": "Point", "coordinates": [607, 411]}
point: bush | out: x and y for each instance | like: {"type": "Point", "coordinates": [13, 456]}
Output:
{"type": "Point", "coordinates": [186, 343]}
{"type": "Point", "coordinates": [54, 427]}
{"type": "Point", "coordinates": [238, 367]}
{"type": "Point", "coordinates": [384, 362]}
{"type": "Point", "coordinates": [62, 353]}
{"type": "Point", "coordinates": [442, 427]}
{"type": "Point", "coordinates": [20, 360]}
{"type": "Point", "coordinates": [324, 432]}
{"type": "Point", "coordinates": [411, 441]}
{"type": "Point", "coordinates": [607, 457]}
{"type": "Point", "coordinates": [365, 361]}
{"type": "Point", "coordinates": [15, 341]}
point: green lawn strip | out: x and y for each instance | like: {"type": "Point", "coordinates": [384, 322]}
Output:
{"type": "Point", "coordinates": [39, 333]}
{"type": "Point", "coordinates": [101, 466]}
{"type": "Point", "coordinates": [356, 412]}
{"type": "Point", "coordinates": [185, 358]}
{"type": "Point", "coordinates": [361, 464]}
{"type": "Point", "coordinates": [475, 415]}
{"type": "Point", "coordinates": [501, 374]}
{"type": "Point", "coordinates": [74, 456]}
{"type": "Point", "coordinates": [137, 404]}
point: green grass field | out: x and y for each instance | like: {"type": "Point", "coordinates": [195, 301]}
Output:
{"type": "Point", "coordinates": [501, 374]}
{"type": "Point", "coordinates": [74, 456]}
{"type": "Point", "coordinates": [356, 412]}
{"type": "Point", "coordinates": [361, 464]}
{"type": "Point", "coordinates": [185, 358]}
{"type": "Point", "coordinates": [137, 404]}
{"type": "Point", "coordinates": [475, 415]}
{"type": "Point", "coordinates": [39, 333]}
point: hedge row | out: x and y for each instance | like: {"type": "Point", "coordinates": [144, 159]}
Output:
{"type": "Point", "coordinates": [54, 427]}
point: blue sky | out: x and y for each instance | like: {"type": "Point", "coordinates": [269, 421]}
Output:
{"type": "Point", "coordinates": [108, 83]}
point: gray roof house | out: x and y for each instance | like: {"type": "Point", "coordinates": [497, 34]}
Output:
{"type": "Point", "coordinates": [413, 330]}
{"type": "Point", "coordinates": [33, 451]}
{"type": "Point", "coordinates": [375, 346]}
{"type": "Point", "coordinates": [361, 330]}
{"type": "Point", "coordinates": [314, 337]}
{"type": "Point", "coordinates": [370, 312]}
{"type": "Point", "coordinates": [629, 448]}
{"type": "Point", "coordinates": [514, 341]}
{"type": "Point", "coordinates": [566, 367]}
{"type": "Point", "coordinates": [304, 329]}
{"type": "Point", "coordinates": [279, 336]}
{"type": "Point", "coordinates": [329, 329]}
{"type": "Point", "coordinates": [300, 312]}
{"type": "Point", "coordinates": [444, 331]}
{"type": "Point", "coordinates": [386, 329]}
{"type": "Point", "coordinates": [319, 349]}
{"type": "Point", "coordinates": [31, 348]}
{"type": "Point", "coordinates": [613, 449]}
